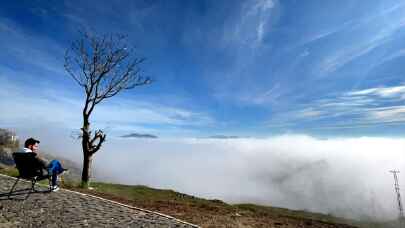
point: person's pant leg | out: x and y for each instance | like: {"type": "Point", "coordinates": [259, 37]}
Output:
{"type": "Point", "coordinates": [55, 168]}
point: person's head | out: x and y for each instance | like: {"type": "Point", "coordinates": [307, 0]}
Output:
{"type": "Point", "coordinates": [32, 144]}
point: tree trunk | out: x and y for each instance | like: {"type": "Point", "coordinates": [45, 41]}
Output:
{"type": "Point", "coordinates": [87, 160]}
{"type": "Point", "coordinates": [87, 156]}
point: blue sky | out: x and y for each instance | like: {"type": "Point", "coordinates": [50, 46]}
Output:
{"type": "Point", "coordinates": [245, 68]}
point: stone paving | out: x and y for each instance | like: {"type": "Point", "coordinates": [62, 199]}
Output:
{"type": "Point", "coordinates": [71, 209]}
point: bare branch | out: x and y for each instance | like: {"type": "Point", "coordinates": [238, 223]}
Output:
{"type": "Point", "coordinates": [99, 137]}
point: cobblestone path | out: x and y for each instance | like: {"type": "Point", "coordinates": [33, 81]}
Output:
{"type": "Point", "coordinates": [71, 209]}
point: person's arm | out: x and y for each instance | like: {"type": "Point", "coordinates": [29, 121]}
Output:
{"type": "Point", "coordinates": [42, 161]}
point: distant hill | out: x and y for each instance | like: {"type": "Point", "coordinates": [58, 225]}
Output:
{"type": "Point", "coordinates": [223, 137]}
{"type": "Point", "coordinates": [136, 135]}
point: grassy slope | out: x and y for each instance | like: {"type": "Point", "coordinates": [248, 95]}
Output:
{"type": "Point", "coordinates": [208, 213]}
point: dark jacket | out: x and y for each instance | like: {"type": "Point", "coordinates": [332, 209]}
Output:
{"type": "Point", "coordinates": [42, 161]}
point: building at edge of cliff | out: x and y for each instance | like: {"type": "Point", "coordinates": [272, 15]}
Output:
{"type": "Point", "coordinates": [8, 137]}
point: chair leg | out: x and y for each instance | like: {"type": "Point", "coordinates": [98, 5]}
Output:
{"type": "Point", "coordinates": [33, 181]}
{"type": "Point", "coordinates": [12, 188]}
{"type": "Point", "coordinates": [50, 184]}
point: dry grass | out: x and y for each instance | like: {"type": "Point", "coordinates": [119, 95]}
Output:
{"type": "Point", "coordinates": [210, 213]}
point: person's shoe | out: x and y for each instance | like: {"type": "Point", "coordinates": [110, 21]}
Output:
{"type": "Point", "coordinates": [55, 188]}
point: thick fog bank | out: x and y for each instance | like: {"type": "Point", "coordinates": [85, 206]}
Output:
{"type": "Point", "coordinates": [346, 177]}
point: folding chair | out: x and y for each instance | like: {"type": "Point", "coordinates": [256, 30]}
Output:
{"type": "Point", "coordinates": [29, 168]}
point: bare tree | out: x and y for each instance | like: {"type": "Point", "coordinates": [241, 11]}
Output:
{"type": "Point", "coordinates": [103, 66]}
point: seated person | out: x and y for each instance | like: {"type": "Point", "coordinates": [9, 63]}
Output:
{"type": "Point", "coordinates": [53, 167]}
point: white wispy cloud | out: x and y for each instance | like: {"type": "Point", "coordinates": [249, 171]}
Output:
{"type": "Point", "coordinates": [243, 39]}
{"type": "Point", "coordinates": [262, 8]}
{"type": "Point", "coordinates": [129, 112]}
{"type": "Point", "coordinates": [269, 96]}
{"type": "Point", "coordinates": [310, 113]}
{"type": "Point", "coordinates": [382, 92]}
{"type": "Point", "coordinates": [343, 57]}
{"type": "Point", "coordinates": [400, 53]}
{"type": "Point", "coordinates": [387, 114]}
{"type": "Point", "coordinates": [357, 48]}
{"type": "Point", "coordinates": [317, 36]}
{"type": "Point", "coordinates": [251, 26]}
{"type": "Point", "coordinates": [30, 48]}
{"type": "Point", "coordinates": [352, 109]}
{"type": "Point", "coordinates": [23, 104]}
